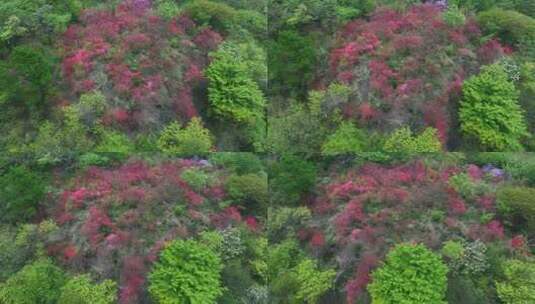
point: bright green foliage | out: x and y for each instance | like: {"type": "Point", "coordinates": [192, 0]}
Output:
{"type": "Point", "coordinates": [114, 142]}
{"type": "Point", "coordinates": [25, 77]}
{"type": "Point", "coordinates": [43, 17]}
{"type": "Point", "coordinates": [21, 190]}
{"type": "Point", "coordinates": [292, 177]}
{"type": "Point", "coordinates": [57, 143]}
{"type": "Point", "coordinates": [167, 8]}
{"type": "Point", "coordinates": [517, 202]}
{"type": "Point", "coordinates": [453, 249]}
{"type": "Point", "coordinates": [187, 272]}
{"type": "Point", "coordinates": [194, 139]}
{"type": "Point", "coordinates": [196, 178]}
{"type": "Point", "coordinates": [519, 284]}
{"type": "Point", "coordinates": [490, 112]}
{"type": "Point", "coordinates": [466, 187]}
{"type": "Point", "coordinates": [510, 26]}
{"type": "Point", "coordinates": [411, 274]}
{"type": "Point", "coordinates": [232, 92]}
{"type": "Point", "coordinates": [403, 141]}
{"type": "Point", "coordinates": [312, 281]}
{"type": "Point", "coordinates": [39, 282]}
{"type": "Point", "coordinates": [346, 139]}
{"type": "Point", "coordinates": [90, 107]}
{"type": "Point", "coordinates": [453, 16]}
{"type": "Point", "coordinates": [282, 258]}
{"type": "Point", "coordinates": [80, 290]}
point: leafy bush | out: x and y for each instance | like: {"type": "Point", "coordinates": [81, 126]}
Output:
{"type": "Point", "coordinates": [512, 27]}
{"type": "Point", "coordinates": [196, 178]}
{"type": "Point", "coordinates": [346, 139]}
{"type": "Point", "coordinates": [232, 92]}
{"type": "Point", "coordinates": [519, 282]}
{"type": "Point", "coordinates": [453, 16]}
{"type": "Point", "coordinates": [21, 191]}
{"type": "Point", "coordinates": [240, 162]}
{"type": "Point", "coordinates": [218, 15]}
{"type": "Point", "coordinates": [187, 272]}
{"type": "Point", "coordinates": [292, 177]}
{"type": "Point", "coordinates": [490, 112]}
{"type": "Point", "coordinates": [291, 61]}
{"type": "Point", "coordinates": [115, 143]}
{"type": "Point", "coordinates": [25, 78]}
{"type": "Point", "coordinates": [80, 290]}
{"type": "Point", "coordinates": [194, 139]}
{"type": "Point", "coordinates": [39, 282]}
{"type": "Point", "coordinates": [403, 141]}
{"type": "Point", "coordinates": [517, 202]}
{"type": "Point", "coordinates": [312, 281]}
{"type": "Point", "coordinates": [42, 18]}
{"type": "Point", "coordinates": [410, 274]}
{"type": "Point", "coordinates": [251, 189]}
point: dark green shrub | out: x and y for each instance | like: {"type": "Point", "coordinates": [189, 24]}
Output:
{"type": "Point", "coordinates": [517, 202]}
{"type": "Point", "coordinates": [510, 26]}
{"type": "Point", "coordinates": [291, 177]}
{"type": "Point", "coordinates": [411, 274]}
{"type": "Point", "coordinates": [21, 190]}
{"type": "Point", "coordinates": [292, 60]}
{"type": "Point", "coordinates": [26, 77]}
{"type": "Point", "coordinates": [252, 189]}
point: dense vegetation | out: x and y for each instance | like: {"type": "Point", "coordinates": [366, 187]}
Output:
{"type": "Point", "coordinates": [267, 151]}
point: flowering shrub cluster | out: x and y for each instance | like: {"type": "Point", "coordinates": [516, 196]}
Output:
{"type": "Point", "coordinates": [120, 218]}
{"type": "Point", "coordinates": [405, 65]}
{"type": "Point", "coordinates": [145, 66]}
{"type": "Point", "coordinates": [374, 206]}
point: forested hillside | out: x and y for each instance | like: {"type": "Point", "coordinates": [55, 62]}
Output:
{"type": "Point", "coordinates": [267, 151]}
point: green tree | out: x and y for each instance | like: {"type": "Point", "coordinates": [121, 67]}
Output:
{"type": "Point", "coordinates": [346, 139]}
{"type": "Point", "coordinates": [21, 191]}
{"type": "Point", "coordinates": [36, 283]}
{"type": "Point", "coordinates": [519, 283]}
{"type": "Point", "coordinates": [292, 177]}
{"type": "Point", "coordinates": [292, 60]}
{"type": "Point", "coordinates": [25, 78]}
{"type": "Point", "coordinates": [80, 290]}
{"type": "Point", "coordinates": [510, 26]}
{"type": "Point", "coordinates": [232, 92]}
{"type": "Point", "coordinates": [411, 274]}
{"type": "Point", "coordinates": [489, 110]}
{"type": "Point", "coordinates": [194, 139]}
{"type": "Point", "coordinates": [312, 281]}
{"type": "Point", "coordinates": [186, 272]}
{"type": "Point", "coordinates": [517, 202]}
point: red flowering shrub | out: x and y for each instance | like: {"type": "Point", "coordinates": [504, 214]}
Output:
{"type": "Point", "coordinates": [123, 216]}
{"type": "Point", "coordinates": [394, 59]}
{"type": "Point", "coordinates": [153, 62]}
{"type": "Point", "coordinates": [374, 206]}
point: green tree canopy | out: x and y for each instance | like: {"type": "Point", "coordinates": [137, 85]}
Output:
{"type": "Point", "coordinates": [187, 272]}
